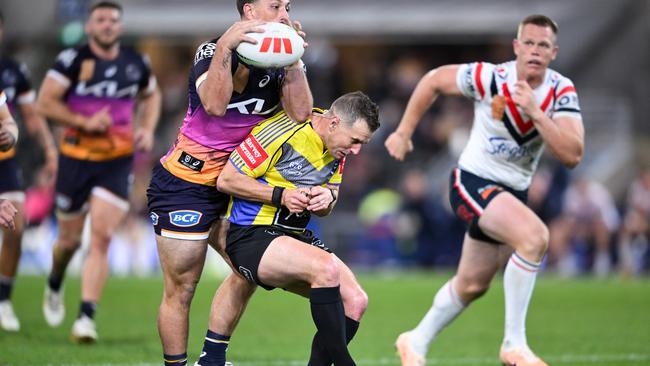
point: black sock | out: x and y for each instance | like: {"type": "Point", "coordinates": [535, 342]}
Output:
{"type": "Point", "coordinates": [55, 282]}
{"type": "Point", "coordinates": [214, 349]}
{"type": "Point", "coordinates": [175, 360]}
{"type": "Point", "coordinates": [319, 356]}
{"type": "Point", "coordinates": [327, 313]}
{"type": "Point", "coordinates": [6, 285]}
{"type": "Point", "coordinates": [87, 308]}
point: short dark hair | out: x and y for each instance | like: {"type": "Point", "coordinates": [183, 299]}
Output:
{"type": "Point", "coordinates": [540, 20]}
{"type": "Point", "coordinates": [105, 4]}
{"type": "Point", "coordinates": [353, 106]}
{"type": "Point", "coordinates": [241, 3]}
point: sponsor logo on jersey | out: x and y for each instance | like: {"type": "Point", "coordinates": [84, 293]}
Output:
{"type": "Point", "coordinates": [185, 218]}
{"type": "Point", "coordinates": [106, 88]}
{"type": "Point", "coordinates": [205, 50]}
{"type": "Point", "coordinates": [154, 218]}
{"type": "Point", "coordinates": [511, 151]}
{"type": "Point", "coordinates": [277, 45]}
{"type": "Point", "coordinates": [110, 72]}
{"type": "Point", "coordinates": [265, 80]}
{"type": "Point", "coordinates": [252, 152]}
{"type": "Point", "coordinates": [191, 162]}
{"type": "Point", "coordinates": [133, 72]}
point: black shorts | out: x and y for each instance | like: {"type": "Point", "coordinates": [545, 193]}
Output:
{"type": "Point", "coordinates": [246, 245]}
{"type": "Point", "coordinates": [76, 179]}
{"type": "Point", "coordinates": [12, 178]}
{"type": "Point", "coordinates": [183, 210]}
{"type": "Point", "coordinates": [470, 194]}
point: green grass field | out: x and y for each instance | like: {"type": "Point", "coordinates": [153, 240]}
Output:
{"type": "Point", "coordinates": [571, 322]}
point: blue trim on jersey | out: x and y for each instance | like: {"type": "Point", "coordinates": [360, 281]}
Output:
{"type": "Point", "coordinates": [244, 212]}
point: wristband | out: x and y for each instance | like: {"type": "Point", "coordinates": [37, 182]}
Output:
{"type": "Point", "coordinates": [276, 198]}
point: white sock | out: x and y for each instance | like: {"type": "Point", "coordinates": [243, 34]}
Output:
{"type": "Point", "coordinates": [446, 307]}
{"type": "Point", "coordinates": [518, 284]}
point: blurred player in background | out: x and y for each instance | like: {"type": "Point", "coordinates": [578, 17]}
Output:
{"type": "Point", "coordinates": [519, 107]}
{"type": "Point", "coordinates": [94, 90]}
{"type": "Point", "coordinates": [227, 98]}
{"type": "Point", "coordinates": [8, 139]}
{"type": "Point", "coordinates": [14, 81]}
{"type": "Point", "coordinates": [279, 176]}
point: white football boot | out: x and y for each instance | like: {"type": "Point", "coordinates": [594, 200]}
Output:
{"type": "Point", "coordinates": [53, 308]}
{"type": "Point", "coordinates": [8, 319]}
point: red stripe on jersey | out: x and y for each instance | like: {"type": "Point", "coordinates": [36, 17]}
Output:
{"type": "Point", "coordinates": [477, 79]}
{"type": "Point", "coordinates": [547, 101]}
{"type": "Point", "coordinates": [566, 90]}
{"type": "Point", "coordinates": [341, 164]}
{"type": "Point", "coordinates": [523, 126]}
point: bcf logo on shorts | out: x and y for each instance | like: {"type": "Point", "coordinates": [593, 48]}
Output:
{"type": "Point", "coordinates": [185, 218]}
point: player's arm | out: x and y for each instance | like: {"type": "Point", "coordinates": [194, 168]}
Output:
{"type": "Point", "coordinates": [216, 89]}
{"type": "Point", "coordinates": [51, 105]}
{"type": "Point", "coordinates": [38, 128]}
{"type": "Point", "coordinates": [148, 117]}
{"type": "Point", "coordinates": [236, 183]}
{"type": "Point", "coordinates": [563, 135]}
{"type": "Point", "coordinates": [297, 100]}
{"type": "Point", "coordinates": [441, 80]}
{"type": "Point", "coordinates": [8, 128]}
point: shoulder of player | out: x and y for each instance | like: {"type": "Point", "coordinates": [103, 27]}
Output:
{"type": "Point", "coordinates": [276, 130]}
{"type": "Point", "coordinates": [558, 79]}
{"type": "Point", "coordinates": [68, 56]}
{"type": "Point", "coordinates": [128, 52]}
{"type": "Point", "coordinates": [205, 50]}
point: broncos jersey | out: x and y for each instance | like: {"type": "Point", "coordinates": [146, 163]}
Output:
{"type": "Point", "coordinates": [204, 142]}
{"type": "Point", "coordinates": [281, 153]}
{"type": "Point", "coordinates": [93, 84]}
{"type": "Point", "coordinates": [504, 145]}
{"type": "Point", "coordinates": [14, 81]}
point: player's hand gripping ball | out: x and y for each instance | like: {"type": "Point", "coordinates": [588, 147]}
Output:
{"type": "Point", "coordinates": [278, 46]}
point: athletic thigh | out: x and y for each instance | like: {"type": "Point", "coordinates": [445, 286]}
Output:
{"type": "Point", "coordinates": [181, 260]}
{"type": "Point", "coordinates": [288, 261]}
{"type": "Point", "coordinates": [510, 221]}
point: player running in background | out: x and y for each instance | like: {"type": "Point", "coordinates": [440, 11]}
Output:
{"type": "Point", "coordinates": [279, 176]}
{"type": "Point", "coordinates": [8, 138]}
{"type": "Point", "coordinates": [227, 98]}
{"type": "Point", "coordinates": [21, 97]}
{"type": "Point", "coordinates": [519, 107]}
{"type": "Point", "coordinates": [94, 90]}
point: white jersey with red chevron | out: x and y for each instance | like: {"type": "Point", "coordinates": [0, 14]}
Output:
{"type": "Point", "coordinates": [504, 145]}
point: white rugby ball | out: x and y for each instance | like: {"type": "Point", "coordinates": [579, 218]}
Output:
{"type": "Point", "coordinates": [278, 46]}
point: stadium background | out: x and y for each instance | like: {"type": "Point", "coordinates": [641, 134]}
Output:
{"type": "Point", "coordinates": [391, 216]}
